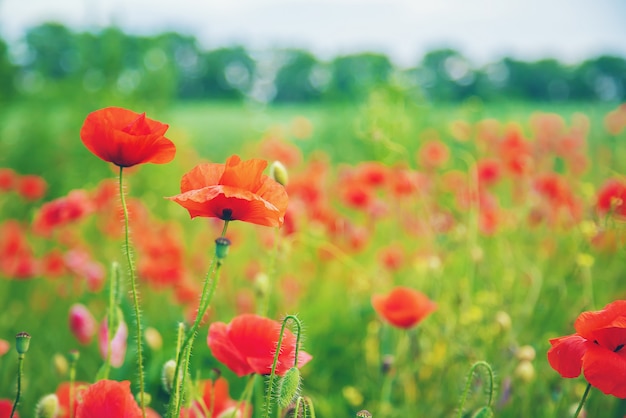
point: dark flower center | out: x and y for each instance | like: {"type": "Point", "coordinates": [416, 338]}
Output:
{"type": "Point", "coordinates": [619, 347]}
{"type": "Point", "coordinates": [227, 214]}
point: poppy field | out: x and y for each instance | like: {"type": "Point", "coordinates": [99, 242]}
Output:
{"type": "Point", "coordinates": [380, 260]}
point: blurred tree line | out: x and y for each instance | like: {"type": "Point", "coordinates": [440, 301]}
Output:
{"type": "Point", "coordinates": [54, 60]}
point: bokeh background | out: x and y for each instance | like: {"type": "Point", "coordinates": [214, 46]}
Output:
{"type": "Point", "coordinates": [355, 97]}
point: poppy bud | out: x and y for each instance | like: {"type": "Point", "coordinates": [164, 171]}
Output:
{"type": "Point", "coordinates": [261, 284]}
{"type": "Point", "coordinates": [22, 342]}
{"type": "Point", "coordinates": [387, 363]}
{"type": "Point", "coordinates": [147, 398]}
{"type": "Point", "coordinates": [47, 407]}
{"type": "Point", "coordinates": [525, 371]}
{"type": "Point", "coordinates": [279, 173]}
{"type": "Point", "coordinates": [82, 323]}
{"type": "Point", "coordinates": [288, 387]}
{"type": "Point", "coordinates": [221, 247]}
{"type": "Point", "coordinates": [364, 414]}
{"type": "Point", "coordinates": [73, 356]}
{"type": "Point", "coordinates": [525, 353]}
{"type": "Point", "coordinates": [167, 375]}
{"type": "Point", "coordinates": [60, 364]}
{"type": "Point", "coordinates": [503, 320]}
{"type": "Point", "coordinates": [153, 338]}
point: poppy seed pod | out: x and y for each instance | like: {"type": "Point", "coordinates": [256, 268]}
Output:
{"type": "Point", "coordinates": [22, 343]}
{"type": "Point", "coordinates": [47, 407]}
{"type": "Point", "coordinates": [221, 247]}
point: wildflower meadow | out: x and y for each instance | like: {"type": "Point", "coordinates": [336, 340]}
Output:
{"type": "Point", "coordinates": [382, 260]}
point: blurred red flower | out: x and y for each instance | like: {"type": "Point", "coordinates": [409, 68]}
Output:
{"type": "Point", "coordinates": [236, 190]}
{"type": "Point", "coordinates": [31, 187]}
{"type": "Point", "coordinates": [8, 179]}
{"type": "Point", "coordinates": [62, 211]}
{"type": "Point", "coordinates": [403, 307]}
{"type": "Point", "coordinates": [5, 409]}
{"type": "Point", "coordinates": [63, 393]}
{"type": "Point", "coordinates": [248, 344]}
{"type": "Point", "coordinates": [612, 198]}
{"type": "Point", "coordinates": [224, 405]}
{"type": "Point", "coordinates": [126, 138]}
{"type": "Point", "coordinates": [106, 399]}
{"type": "Point", "coordinates": [596, 348]}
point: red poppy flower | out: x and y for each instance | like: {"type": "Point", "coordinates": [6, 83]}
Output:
{"type": "Point", "coordinates": [106, 399]}
{"type": "Point", "coordinates": [6, 407]}
{"type": "Point", "coordinates": [612, 198]}
{"type": "Point", "coordinates": [224, 405]}
{"type": "Point", "coordinates": [8, 179]}
{"type": "Point", "coordinates": [236, 190]}
{"type": "Point", "coordinates": [248, 344]}
{"type": "Point", "coordinates": [32, 187]}
{"type": "Point", "coordinates": [596, 348]}
{"type": "Point", "coordinates": [126, 138]}
{"type": "Point", "coordinates": [403, 307]}
{"type": "Point", "coordinates": [63, 393]}
{"type": "Point", "coordinates": [62, 211]}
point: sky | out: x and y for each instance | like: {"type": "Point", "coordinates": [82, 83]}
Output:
{"type": "Point", "coordinates": [483, 30]}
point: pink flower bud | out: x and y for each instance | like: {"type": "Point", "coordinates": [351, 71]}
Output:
{"type": "Point", "coordinates": [118, 343]}
{"type": "Point", "coordinates": [82, 323]}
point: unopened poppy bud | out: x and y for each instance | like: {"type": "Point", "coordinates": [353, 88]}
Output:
{"type": "Point", "coordinates": [279, 173]}
{"type": "Point", "coordinates": [167, 375]}
{"type": "Point", "coordinates": [215, 373]}
{"type": "Point", "coordinates": [153, 338]}
{"type": "Point", "coordinates": [525, 371]}
{"type": "Point", "coordinates": [288, 387]}
{"type": "Point", "coordinates": [60, 364]}
{"type": "Point", "coordinates": [221, 247]}
{"type": "Point", "coordinates": [261, 284]}
{"type": "Point", "coordinates": [47, 407]}
{"type": "Point", "coordinates": [82, 323]}
{"type": "Point", "coordinates": [525, 353]}
{"type": "Point", "coordinates": [364, 414]}
{"type": "Point", "coordinates": [484, 412]}
{"type": "Point", "coordinates": [503, 320]}
{"type": "Point", "coordinates": [387, 363]}
{"type": "Point", "coordinates": [22, 342]}
{"type": "Point", "coordinates": [73, 356]}
{"type": "Point", "coordinates": [147, 398]}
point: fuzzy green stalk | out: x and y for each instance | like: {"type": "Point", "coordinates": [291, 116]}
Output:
{"type": "Point", "coordinates": [113, 300]}
{"type": "Point", "coordinates": [182, 357]}
{"type": "Point", "coordinates": [270, 388]}
{"type": "Point", "coordinates": [245, 395]}
{"type": "Point", "coordinates": [20, 370]}
{"type": "Point", "coordinates": [468, 383]}
{"type": "Point", "coordinates": [133, 286]}
{"type": "Point", "coordinates": [583, 400]}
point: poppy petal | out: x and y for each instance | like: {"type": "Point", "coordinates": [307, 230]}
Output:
{"type": "Point", "coordinates": [605, 370]}
{"type": "Point", "coordinates": [613, 315]}
{"type": "Point", "coordinates": [225, 351]}
{"type": "Point", "coordinates": [565, 355]}
{"type": "Point", "coordinates": [243, 174]}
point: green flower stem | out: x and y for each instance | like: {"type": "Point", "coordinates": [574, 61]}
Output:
{"type": "Point", "coordinates": [582, 401]}
{"type": "Point", "coordinates": [182, 358]}
{"type": "Point", "coordinates": [245, 396]}
{"type": "Point", "coordinates": [72, 388]}
{"type": "Point", "coordinates": [265, 303]}
{"type": "Point", "coordinates": [468, 383]}
{"type": "Point", "coordinates": [20, 370]}
{"type": "Point", "coordinates": [268, 395]}
{"type": "Point", "coordinates": [133, 284]}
